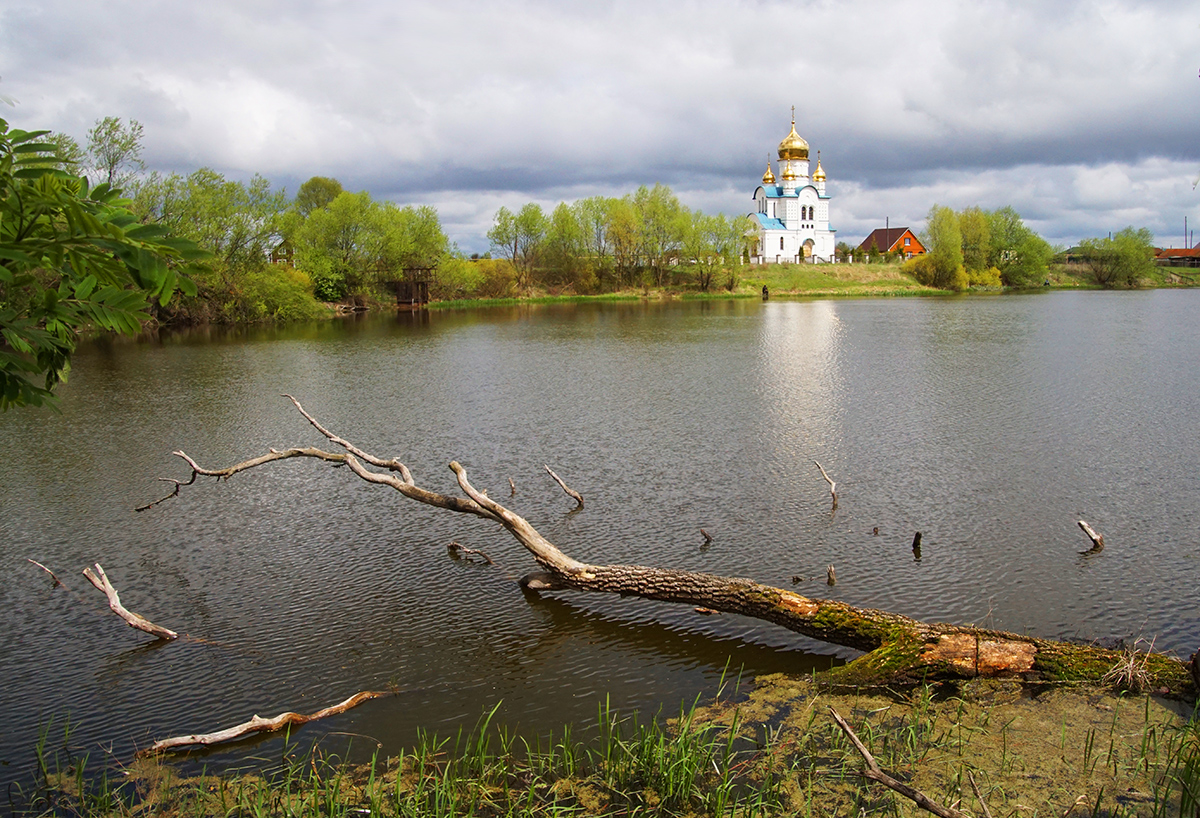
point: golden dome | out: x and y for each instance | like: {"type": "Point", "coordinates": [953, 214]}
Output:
{"type": "Point", "coordinates": [793, 146]}
{"type": "Point", "coordinates": [819, 174]}
{"type": "Point", "coordinates": [768, 177]}
{"type": "Point", "coordinates": [789, 173]}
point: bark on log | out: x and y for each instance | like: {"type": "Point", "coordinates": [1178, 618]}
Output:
{"type": "Point", "coordinates": [897, 648]}
{"type": "Point", "coordinates": [100, 580]}
{"type": "Point", "coordinates": [258, 724]}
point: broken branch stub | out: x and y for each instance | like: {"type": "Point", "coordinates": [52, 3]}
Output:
{"type": "Point", "coordinates": [897, 648]}
{"type": "Point", "coordinates": [832, 485]}
{"type": "Point", "coordinates": [576, 496]}
{"type": "Point", "coordinates": [100, 580]}
{"type": "Point", "coordinates": [1097, 539]}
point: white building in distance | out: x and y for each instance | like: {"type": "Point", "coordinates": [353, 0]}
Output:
{"type": "Point", "coordinates": [793, 215]}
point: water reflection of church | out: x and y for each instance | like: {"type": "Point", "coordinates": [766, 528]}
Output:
{"type": "Point", "coordinates": [793, 213]}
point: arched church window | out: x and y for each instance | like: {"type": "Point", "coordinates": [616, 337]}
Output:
{"type": "Point", "coordinates": [781, 242]}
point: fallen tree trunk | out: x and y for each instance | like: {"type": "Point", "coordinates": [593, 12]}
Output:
{"type": "Point", "coordinates": [897, 648]}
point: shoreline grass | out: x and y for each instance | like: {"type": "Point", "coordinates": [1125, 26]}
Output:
{"type": "Point", "coordinates": [1054, 752]}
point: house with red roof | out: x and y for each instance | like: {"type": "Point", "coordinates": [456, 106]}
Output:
{"type": "Point", "coordinates": [893, 240]}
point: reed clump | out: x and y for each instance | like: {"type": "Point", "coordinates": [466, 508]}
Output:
{"type": "Point", "coordinates": [1079, 752]}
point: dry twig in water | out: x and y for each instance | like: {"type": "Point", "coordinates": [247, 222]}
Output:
{"type": "Point", "coordinates": [570, 491]}
{"type": "Point", "coordinates": [874, 773]}
{"type": "Point", "coordinates": [832, 485]}
{"type": "Point", "coordinates": [257, 724]}
{"type": "Point", "coordinates": [100, 580]}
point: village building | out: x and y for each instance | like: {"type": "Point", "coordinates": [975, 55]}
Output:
{"type": "Point", "coordinates": [792, 213]}
{"type": "Point", "coordinates": [893, 240]}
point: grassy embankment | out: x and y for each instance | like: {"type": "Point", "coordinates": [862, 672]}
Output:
{"type": "Point", "coordinates": [817, 281]}
{"type": "Point", "coordinates": [1081, 752]}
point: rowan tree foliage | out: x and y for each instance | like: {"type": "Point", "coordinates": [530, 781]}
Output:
{"type": "Point", "coordinates": [72, 257]}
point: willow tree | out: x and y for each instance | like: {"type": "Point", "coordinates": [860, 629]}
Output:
{"type": "Point", "coordinates": [896, 648]}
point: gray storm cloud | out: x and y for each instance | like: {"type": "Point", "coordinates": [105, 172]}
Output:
{"type": "Point", "coordinates": [1081, 115]}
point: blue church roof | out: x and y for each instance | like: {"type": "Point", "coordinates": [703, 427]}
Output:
{"type": "Point", "coordinates": [768, 223]}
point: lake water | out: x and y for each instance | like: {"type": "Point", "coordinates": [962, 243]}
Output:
{"type": "Point", "coordinates": [991, 425]}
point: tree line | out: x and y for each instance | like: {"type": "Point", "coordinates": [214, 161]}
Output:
{"type": "Point", "coordinates": [335, 244]}
{"type": "Point", "coordinates": [598, 244]}
{"type": "Point", "coordinates": [975, 247]}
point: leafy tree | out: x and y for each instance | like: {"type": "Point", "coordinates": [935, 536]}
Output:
{"type": "Point", "coordinates": [115, 150]}
{"type": "Point", "coordinates": [592, 216]}
{"type": "Point", "coordinates": [71, 257]}
{"type": "Point", "coordinates": [624, 236]}
{"type": "Point", "coordinates": [519, 238]}
{"type": "Point", "coordinates": [975, 227]}
{"type": "Point", "coordinates": [1120, 260]}
{"type": "Point", "coordinates": [317, 193]}
{"type": "Point", "coordinates": [843, 251]}
{"type": "Point", "coordinates": [64, 153]}
{"type": "Point", "coordinates": [942, 266]}
{"type": "Point", "coordinates": [566, 255]}
{"type": "Point", "coordinates": [663, 222]}
{"type": "Point", "coordinates": [1021, 256]}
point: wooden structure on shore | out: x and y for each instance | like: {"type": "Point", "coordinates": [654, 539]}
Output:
{"type": "Point", "coordinates": [412, 291]}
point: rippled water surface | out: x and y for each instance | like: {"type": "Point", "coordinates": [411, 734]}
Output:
{"type": "Point", "coordinates": [989, 424]}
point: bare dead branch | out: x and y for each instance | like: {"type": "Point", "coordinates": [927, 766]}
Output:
{"type": "Point", "coordinates": [832, 485]}
{"type": "Point", "coordinates": [1097, 539]}
{"type": "Point", "coordinates": [512, 488]}
{"type": "Point", "coordinates": [707, 537]}
{"type": "Point", "coordinates": [456, 549]}
{"type": "Point", "coordinates": [570, 491]}
{"type": "Point", "coordinates": [390, 465]}
{"type": "Point", "coordinates": [830, 576]}
{"type": "Point", "coordinates": [174, 492]}
{"type": "Point", "coordinates": [874, 773]}
{"type": "Point", "coordinates": [987, 813]}
{"type": "Point", "coordinates": [53, 576]}
{"type": "Point", "coordinates": [100, 580]}
{"type": "Point", "coordinates": [257, 724]}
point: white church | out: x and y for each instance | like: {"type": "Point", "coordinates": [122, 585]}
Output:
{"type": "Point", "coordinates": [793, 214]}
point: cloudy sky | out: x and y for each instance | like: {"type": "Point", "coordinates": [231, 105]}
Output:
{"type": "Point", "coordinates": [1084, 116]}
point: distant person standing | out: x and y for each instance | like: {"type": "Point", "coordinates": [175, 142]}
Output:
{"type": "Point", "coordinates": [766, 293]}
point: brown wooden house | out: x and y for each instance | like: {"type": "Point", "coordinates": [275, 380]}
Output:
{"type": "Point", "coordinates": [893, 240]}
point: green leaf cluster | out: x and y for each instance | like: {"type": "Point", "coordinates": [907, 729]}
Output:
{"type": "Point", "coordinates": [72, 257]}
